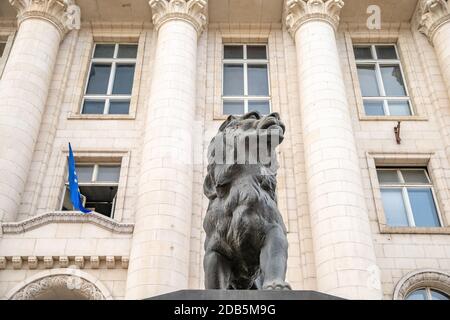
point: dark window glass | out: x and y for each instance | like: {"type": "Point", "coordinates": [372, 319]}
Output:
{"type": "Point", "coordinates": [233, 75]}
{"type": "Point", "coordinates": [98, 79]}
{"type": "Point", "coordinates": [233, 52]}
{"type": "Point", "coordinates": [127, 51]}
{"type": "Point", "coordinates": [84, 173]}
{"type": "Point", "coordinates": [363, 53]}
{"type": "Point", "coordinates": [99, 198]}
{"type": "Point", "coordinates": [258, 83]}
{"type": "Point", "coordinates": [263, 107]}
{"type": "Point", "coordinates": [93, 107]}
{"type": "Point", "coordinates": [104, 51]}
{"type": "Point", "coordinates": [423, 207]}
{"type": "Point", "coordinates": [374, 108]}
{"type": "Point", "coordinates": [233, 107]}
{"type": "Point", "coordinates": [256, 52]}
{"type": "Point", "coordinates": [123, 81]}
{"type": "Point", "coordinates": [393, 81]}
{"type": "Point", "coordinates": [386, 52]}
{"type": "Point", "coordinates": [108, 173]}
{"type": "Point", "coordinates": [119, 107]}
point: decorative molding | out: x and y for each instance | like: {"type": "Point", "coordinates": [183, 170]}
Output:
{"type": "Point", "coordinates": [62, 262]}
{"type": "Point", "coordinates": [299, 12]}
{"type": "Point", "coordinates": [64, 14]}
{"type": "Point", "coordinates": [66, 217]}
{"type": "Point", "coordinates": [192, 11]}
{"type": "Point", "coordinates": [422, 278]}
{"type": "Point", "coordinates": [74, 283]}
{"type": "Point", "coordinates": [433, 14]}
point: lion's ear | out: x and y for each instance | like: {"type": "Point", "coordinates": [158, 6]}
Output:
{"type": "Point", "coordinates": [227, 122]}
{"type": "Point", "coordinates": [209, 188]}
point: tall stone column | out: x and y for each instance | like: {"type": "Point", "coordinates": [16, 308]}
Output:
{"type": "Point", "coordinates": [435, 24]}
{"type": "Point", "coordinates": [342, 241]}
{"type": "Point", "coordinates": [24, 88]}
{"type": "Point", "coordinates": [159, 260]}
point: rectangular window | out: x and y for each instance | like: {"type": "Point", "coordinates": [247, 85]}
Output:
{"type": "Point", "coordinates": [245, 79]}
{"type": "Point", "coordinates": [98, 185]}
{"type": "Point", "coordinates": [2, 48]}
{"type": "Point", "coordinates": [110, 80]}
{"type": "Point", "coordinates": [381, 81]}
{"type": "Point", "coordinates": [408, 197]}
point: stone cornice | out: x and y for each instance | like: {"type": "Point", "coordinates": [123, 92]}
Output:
{"type": "Point", "coordinates": [64, 14]}
{"type": "Point", "coordinates": [299, 12]}
{"type": "Point", "coordinates": [192, 11]}
{"type": "Point", "coordinates": [433, 14]}
{"type": "Point", "coordinates": [65, 261]}
{"type": "Point", "coordinates": [66, 217]}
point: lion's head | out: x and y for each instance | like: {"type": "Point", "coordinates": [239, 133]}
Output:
{"type": "Point", "coordinates": [243, 154]}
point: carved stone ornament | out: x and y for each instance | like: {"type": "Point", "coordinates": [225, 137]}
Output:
{"type": "Point", "coordinates": [422, 278]}
{"type": "Point", "coordinates": [300, 11]}
{"type": "Point", "coordinates": [193, 11]}
{"type": "Point", "coordinates": [64, 14]}
{"type": "Point", "coordinates": [79, 285]}
{"type": "Point", "coordinates": [433, 14]}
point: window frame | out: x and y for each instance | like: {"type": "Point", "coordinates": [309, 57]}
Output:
{"type": "Point", "coordinates": [381, 87]}
{"type": "Point", "coordinates": [94, 182]}
{"type": "Point", "coordinates": [428, 290]}
{"type": "Point", "coordinates": [114, 61]}
{"type": "Point", "coordinates": [405, 196]}
{"type": "Point", "coordinates": [245, 62]}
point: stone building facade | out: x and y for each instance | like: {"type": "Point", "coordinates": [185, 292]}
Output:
{"type": "Point", "coordinates": [140, 87]}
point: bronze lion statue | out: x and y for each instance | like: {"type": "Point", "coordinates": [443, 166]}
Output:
{"type": "Point", "coordinates": [246, 245]}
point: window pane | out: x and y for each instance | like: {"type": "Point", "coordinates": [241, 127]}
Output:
{"type": "Point", "coordinates": [2, 48]}
{"type": "Point", "coordinates": [108, 174]}
{"type": "Point", "coordinates": [420, 294]}
{"type": "Point", "coordinates": [256, 52]}
{"type": "Point", "coordinates": [394, 207]}
{"type": "Point", "coordinates": [233, 80]}
{"type": "Point", "coordinates": [99, 198]}
{"type": "Point", "coordinates": [386, 52]}
{"type": "Point", "coordinates": [373, 108]}
{"type": "Point", "coordinates": [233, 52]}
{"type": "Point", "coordinates": [388, 177]}
{"type": "Point", "coordinates": [399, 108]}
{"type": "Point", "coordinates": [393, 81]}
{"type": "Point", "coordinates": [423, 207]}
{"type": "Point", "coordinates": [362, 53]}
{"type": "Point", "coordinates": [263, 107]}
{"type": "Point", "coordinates": [104, 51]}
{"type": "Point", "coordinates": [233, 107]}
{"type": "Point", "coordinates": [123, 81]}
{"type": "Point", "coordinates": [98, 79]}
{"type": "Point", "coordinates": [84, 173]}
{"type": "Point", "coordinates": [119, 107]}
{"type": "Point", "coordinates": [436, 295]}
{"type": "Point", "coordinates": [93, 107]}
{"type": "Point", "coordinates": [415, 176]}
{"type": "Point", "coordinates": [127, 51]}
{"type": "Point", "coordinates": [368, 81]}
{"type": "Point", "coordinates": [258, 82]}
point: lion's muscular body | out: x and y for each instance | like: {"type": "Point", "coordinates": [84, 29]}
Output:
{"type": "Point", "coordinates": [245, 245]}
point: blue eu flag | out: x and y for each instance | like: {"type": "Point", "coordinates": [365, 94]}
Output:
{"type": "Point", "coordinates": [75, 195]}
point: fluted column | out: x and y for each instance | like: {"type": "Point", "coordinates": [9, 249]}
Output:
{"type": "Point", "coordinates": [343, 248]}
{"type": "Point", "coordinates": [159, 260]}
{"type": "Point", "coordinates": [24, 88]}
{"type": "Point", "coordinates": [435, 24]}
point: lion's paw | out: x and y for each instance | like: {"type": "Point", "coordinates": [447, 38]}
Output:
{"type": "Point", "coordinates": [277, 285]}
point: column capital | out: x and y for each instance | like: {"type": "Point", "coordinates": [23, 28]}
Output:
{"type": "Point", "coordinates": [433, 14]}
{"type": "Point", "coordinates": [192, 11]}
{"type": "Point", "coordinates": [64, 14]}
{"type": "Point", "coordinates": [300, 11]}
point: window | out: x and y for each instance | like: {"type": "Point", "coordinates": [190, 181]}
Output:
{"type": "Point", "coordinates": [427, 294]}
{"type": "Point", "coordinates": [381, 81]}
{"type": "Point", "coordinates": [245, 79]}
{"type": "Point", "coordinates": [110, 82]}
{"type": "Point", "coordinates": [98, 185]}
{"type": "Point", "coordinates": [2, 48]}
{"type": "Point", "coordinates": [408, 197]}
